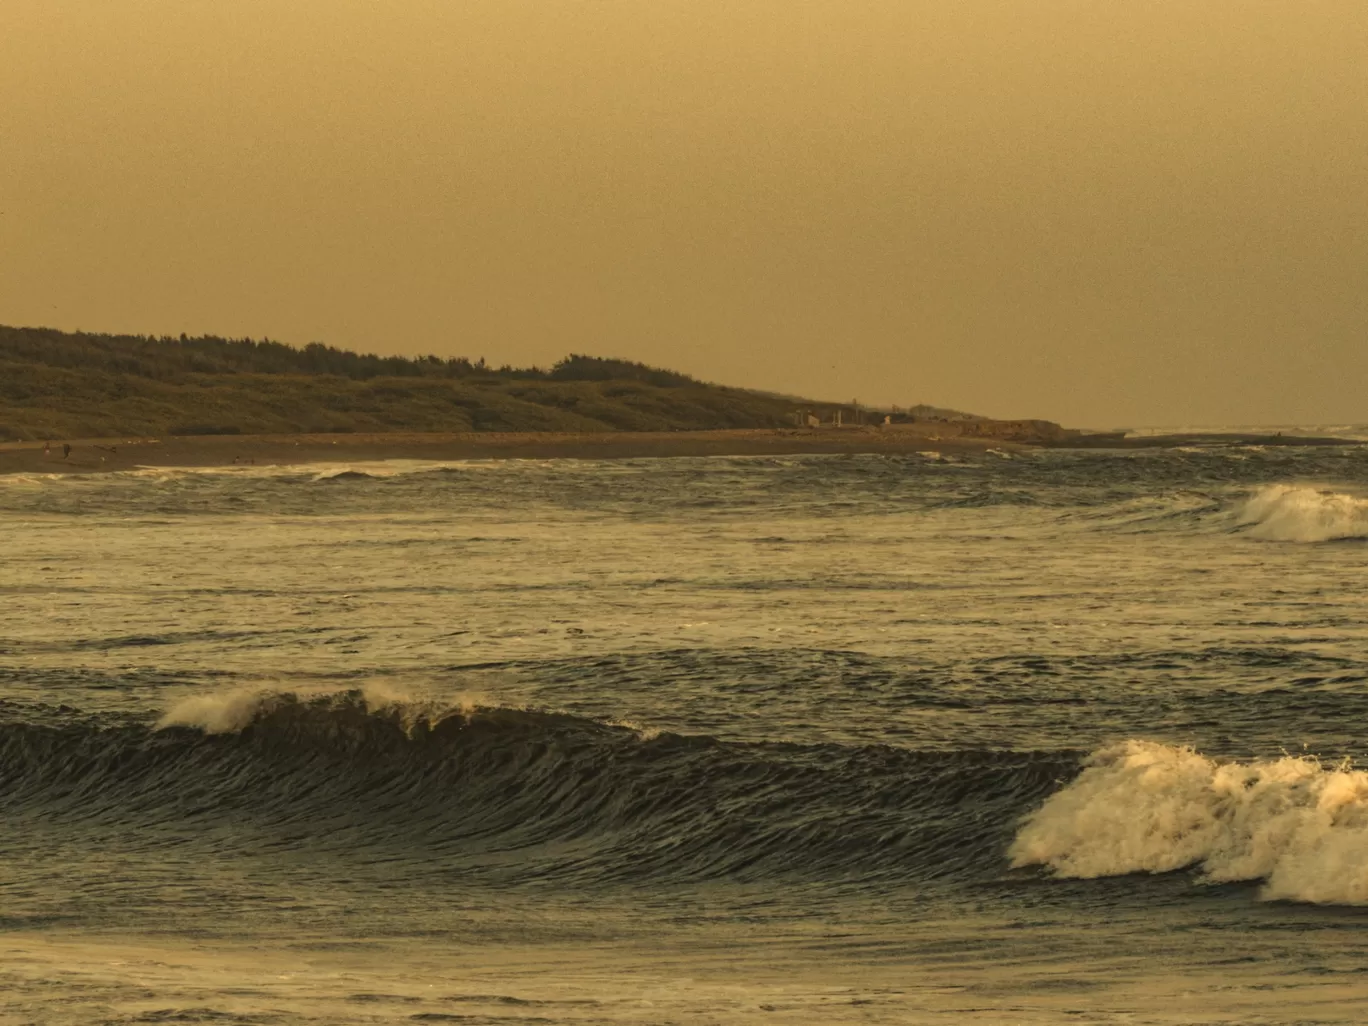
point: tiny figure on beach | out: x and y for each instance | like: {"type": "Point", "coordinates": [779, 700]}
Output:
{"type": "Point", "coordinates": [47, 448]}
{"type": "Point", "coordinates": [66, 450]}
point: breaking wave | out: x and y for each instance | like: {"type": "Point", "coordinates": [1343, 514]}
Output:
{"type": "Point", "coordinates": [522, 796]}
{"type": "Point", "coordinates": [519, 796]}
{"type": "Point", "coordinates": [1303, 514]}
{"type": "Point", "coordinates": [1297, 825]}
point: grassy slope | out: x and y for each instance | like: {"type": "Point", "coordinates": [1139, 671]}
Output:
{"type": "Point", "coordinates": [55, 385]}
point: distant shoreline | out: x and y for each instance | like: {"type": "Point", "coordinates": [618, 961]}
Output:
{"type": "Point", "coordinates": [112, 454]}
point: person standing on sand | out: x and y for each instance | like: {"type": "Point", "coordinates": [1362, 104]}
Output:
{"type": "Point", "coordinates": [66, 450]}
{"type": "Point", "coordinates": [47, 449]}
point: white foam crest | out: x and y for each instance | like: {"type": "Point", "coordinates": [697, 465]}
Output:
{"type": "Point", "coordinates": [643, 733]}
{"type": "Point", "coordinates": [20, 478]}
{"type": "Point", "coordinates": [385, 468]}
{"type": "Point", "coordinates": [1304, 514]}
{"type": "Point", "coordinates": [1141, 807]}
{"type": "Point", "coordinates": [220, 713]}
{"type": "Point", "coordinates": [227, 712]}
{"type": "Point", "coordinates": [318, 471]}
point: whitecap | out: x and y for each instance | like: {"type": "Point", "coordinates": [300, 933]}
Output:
{"type": "Point", "coordinates": [1299, 513]}
{"type": "Point", "coordinates": [1294, 823]}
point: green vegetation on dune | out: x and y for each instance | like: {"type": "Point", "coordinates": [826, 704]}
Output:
{"type": "Point", "coordinates": [57, 384]}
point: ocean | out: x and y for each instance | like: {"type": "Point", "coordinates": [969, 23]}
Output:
{"type": "Point", "coordinates": [1003, 737]}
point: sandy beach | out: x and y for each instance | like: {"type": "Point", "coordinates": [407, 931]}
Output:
{"type": "Point", "coordinates": [110, 454]}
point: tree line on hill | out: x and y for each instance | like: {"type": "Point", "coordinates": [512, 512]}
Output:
{"type": "Point", "coordinates": [56, 384]}
{"type": "Point", "coordinates": [170, 359]}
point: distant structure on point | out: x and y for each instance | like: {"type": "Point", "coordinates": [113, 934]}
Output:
{"type": "Point", "coordinates": [931, 422]}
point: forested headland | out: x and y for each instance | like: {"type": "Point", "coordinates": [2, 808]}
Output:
{"type": "Point", "coordinates": [56, 384]}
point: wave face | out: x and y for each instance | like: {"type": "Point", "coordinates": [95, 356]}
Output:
{"type": "Point", "coordinates": [1297, 513]}
{"type": "Point", "coordinates": [1140, 807]}
{"type": "Point", "coordinates": [513, 796]}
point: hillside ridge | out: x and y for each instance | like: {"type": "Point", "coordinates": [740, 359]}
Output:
{"type": "Point", "coordinates": [56, 384]}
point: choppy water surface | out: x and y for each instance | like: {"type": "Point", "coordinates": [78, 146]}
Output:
{"type": "Point", "coordinates": [999, 738]}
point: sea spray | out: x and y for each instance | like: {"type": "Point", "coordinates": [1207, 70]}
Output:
{"type": "Point", "coordinates": [1141, 807]}
{"type": "Point", "coordinates": [1298, 513]}
{"type": "Point", "coordinates": [227, 712]}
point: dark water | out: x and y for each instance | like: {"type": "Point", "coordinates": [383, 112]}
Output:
{"type": "Point", "coordinates": [1001, 738]}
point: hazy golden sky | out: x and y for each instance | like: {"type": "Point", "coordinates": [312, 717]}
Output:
{"type": "Point", "coordinates": [1108, 213]}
